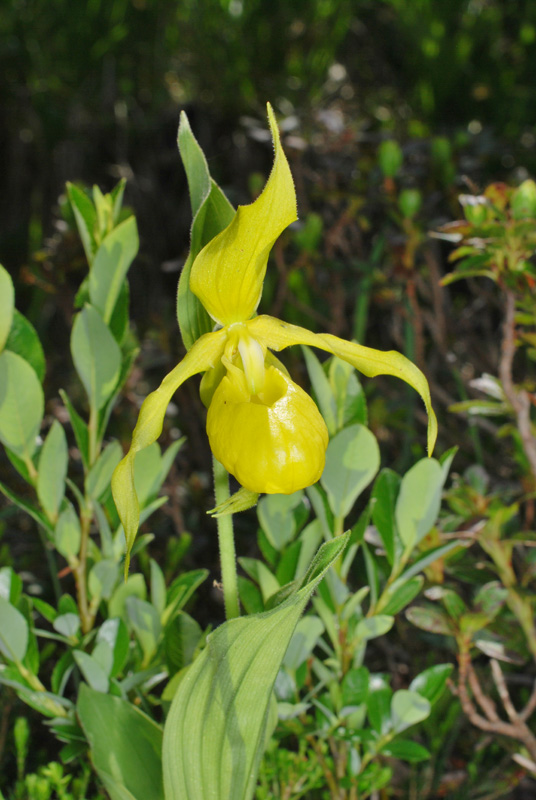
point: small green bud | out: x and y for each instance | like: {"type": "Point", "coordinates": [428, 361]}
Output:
{"type": "Point", "coordinates": [409, 202]}
{"type": "Point", "coordinates": [390, 157]}
{"type": "Point", "coordinates": [475, 208]}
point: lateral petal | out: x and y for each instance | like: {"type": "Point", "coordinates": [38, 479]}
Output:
{"type": "Point", "coordinates": [204, 354]}
{"type": "Point", "coordinates": [228, 274]}
{"type": "Point", "coordinates": [277, 335]}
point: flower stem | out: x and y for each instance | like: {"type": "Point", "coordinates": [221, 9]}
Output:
{"type": "Point", "coordinates": [226, 542]}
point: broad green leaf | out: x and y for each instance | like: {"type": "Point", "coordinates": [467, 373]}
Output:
{"type": "Point", "coordinates": [52, 472]}
{"type": "Point", "coordinates": [211, 213]}
{"type": "Point", "coordinates": [96, 355]}
{"type": "Point", "coordinates": [10, 585]}
{"type": "Point", "coordinates": [355, 686]}
{"type": "Point", "coordinates": [103, 578]}
{"type": "Point", "coordinates": [158, 587]}
{"type": "Point", "coordinates": [145, 622]}
{"type": "Point", "coordinates": [406, 750]}
{"type": "Point", "coordinates": [275, 512]}
{"type": "Point", "coordinates": [408, 708]}
{"type": "Point", "coordinates": [92, 671]}
{"type": "Point", "coordinates": [7, 305]}
{"type": "Point", "coordinates": [181, 639]}
{"type": "Point", "coordinates": [67, 624]}
{"type": "Point", "coordinates": [181, 590]}
{"type": "Point", "coordinates": [21, 405]}
{"type": "Point", "coordinates": [372, 627]}
{"type": "Point", "coordinates": [418, 501]}
{"type": "Point", "coordinates": [134, 586]}
{"type": "Point", "coordinates": [304, 640]}
{"type": "Point", "coordinates": [114, 632]}
{"type": "Point", "coordinates": [125, 744]}
{"type": "Point", "coordinates": [13, 632]}
{"type": "Point", "coordinates": [110, 266]}
{"type": "Point", "coordinates": [67, 533]}
{"type": "Point", "coordinates": [385, 492]}
{"type": "Point", "coordinates": [24, 341]}
{"type": "Point", "coordinates": [86, 218]}
{"type": "Point", "coordinates": [379, 705]}
{"type": "Point", "coordinates": [322, 390]}
{"type": "Point", "coordinates": [431, 619]}
{"type": "Point", "coordinates": [398, 597]}
{"type": "Point", "coordinates": [215, 731]}
{"type": "Point", "coordinates": [351, 406]}
{"type": "Point", "coordinates": [28, 508]}
{"type": "Point", "coordinates": [99, 476]}
{"type": "Point", "coordinates": [432, 682]}
{"type": "Point", "coordinates": [352, 460]}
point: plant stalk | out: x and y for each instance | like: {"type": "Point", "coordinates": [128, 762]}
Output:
{"type": "Point", "coordinates": [226, 543]}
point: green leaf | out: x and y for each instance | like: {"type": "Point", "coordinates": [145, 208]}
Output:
{"type": "Point", "coordinates": [211, 212]}
{"type": "Point", "coordinates": [67, 533]}
{"type": "Point", "coordinates": [7, 305]}
{"type": "Point", "coordinates": [96, 355]}
{"type": "Point", "coordinates": [126, 746]}
{"type": "Point", "coordinates": [181, 590]}
{"type": "Point", "coordinates": [79, 428]}
{"type": "Point", "coordinates": [86, 218]}
{"type": "Point", "coordinates": [145, 622]}
{"type": "Point", "coordinates": [13, 632]}
{"type": "Point", "coordinates": [103, 578]}
{"type": "Point", "coordinates": [372, 627]}
{"type": "Point", "coordinates": [398, 597]}
{"type": "Point", "coordinates": [21, 405]}
{"type": "Point", "coordinates": [260, 573]}
{"type": "Point", "coordinates": [418, 502]}
{"type": "Point", "coordinates": [432, 682]}
{"type": "Point", "coordinates": [304, 640]}
{"type": "Point", "coordinates": [351, 406]}
{"type": "Point", "coordinates": [53, 461]}
{"type": "Point", "coordinates": [384, 492]}
{"type": "Point", "coordinates": [24, 341]}
{"type": "Point", "coordinates": [99, 476]}
{"type": "Point", "coordinates": [352, 460]}
{"type": "Point", "coordinates": [431, 619]}
{"type": "Point", "coordinates": [379, 705]}
{"type": "Point", "coordinates": [181, 639]}
{"type": "Point", "coordinates": [110, 266]}
{"type": "Point", "coordinates": [408, 708]}
{"type": "Point", "coordinates": [322, 390]}
{"type": "Point", "coordinates": [10, 585]}
{"type": "Point", "coordinates": [114, 632]}
{"type": "Point", "coordinates": [406, 750]}
{"type": "Point", "coordinates": [215, 731]}
{"type": "Point", "coordinates": [276, 517]}
{"type": "Point", "coordinates": [92, 671]}
{"type": "Point", "coordinates": [355, 686]}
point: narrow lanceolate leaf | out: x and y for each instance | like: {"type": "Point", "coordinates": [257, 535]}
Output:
{"type": "Point", "coordinates": [110, 266]}
{"type": "Point", "coordinates": [86, 218]}
{"type": "Point", "coordinates": [7, 303]}
{"type": "Point", "coordinates": [52, 471]}
{"type": "Point", "coordinates": [21, 405]}
{"type": "Point", "coordinates": [215, 731]}
{"type": "Point", "coordinates": [211, 213]}
{"type": "Point", "coordinates": [96, 355]}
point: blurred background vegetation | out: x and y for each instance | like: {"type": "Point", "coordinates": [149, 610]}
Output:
{"type": "Point", "coordinates": [389, 110]}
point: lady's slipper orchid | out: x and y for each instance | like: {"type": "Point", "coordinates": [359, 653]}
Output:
{"type": "Point", "coordinates": [263, 428]}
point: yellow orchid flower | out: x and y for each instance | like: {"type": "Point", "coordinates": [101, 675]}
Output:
{"type": "Point", "coordinates": [263, 428]}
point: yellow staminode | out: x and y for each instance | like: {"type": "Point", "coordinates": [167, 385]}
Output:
{"type": "Point", "coordinates": [263, 428]}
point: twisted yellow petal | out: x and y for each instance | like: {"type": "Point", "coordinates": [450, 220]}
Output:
{"type": "Point", "coordinates": [277, 335]}
{"type": "Point", "coordinates": [273, 442]}
{"type": "Point", "coordinates": [228, 274]}
{"type": "Point", "coordinates": [204, 354]}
